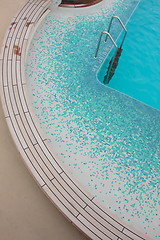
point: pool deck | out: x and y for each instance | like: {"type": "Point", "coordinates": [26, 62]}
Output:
{"type": "Point", "coordinates": [79, 206]}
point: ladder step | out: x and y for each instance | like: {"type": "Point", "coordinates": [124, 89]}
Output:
{"type": "Point", "coordinates": [112, 66]}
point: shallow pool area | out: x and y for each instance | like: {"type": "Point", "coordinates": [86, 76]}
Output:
{"type": "Point", "coordinates": [106, 140]}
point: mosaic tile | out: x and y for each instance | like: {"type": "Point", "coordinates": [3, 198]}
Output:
{"type": "Point", "coordinates": [108, 141]}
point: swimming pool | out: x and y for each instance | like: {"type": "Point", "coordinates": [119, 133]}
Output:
{"type": "Point", "coordinates": [96, 132]}
{"type": "Point", "coordinates": [138, 72]}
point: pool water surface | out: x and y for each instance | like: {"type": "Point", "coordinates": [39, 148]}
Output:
{"type": "Point", "coordinates": [137, 74]}
{"type": "Point", "coordinates": [108, 141]}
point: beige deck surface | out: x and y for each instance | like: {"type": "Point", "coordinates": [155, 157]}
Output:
{"type": "Point", "coordinates": [25, 211]}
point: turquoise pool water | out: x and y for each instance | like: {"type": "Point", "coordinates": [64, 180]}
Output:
{"type": "Point", "coordinates": [108, 141]}
{"type": "Point", "coordinates": [138, 72]}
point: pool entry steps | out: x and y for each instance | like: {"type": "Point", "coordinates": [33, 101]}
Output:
{"type": "Point", "coordinates": [114, 60]}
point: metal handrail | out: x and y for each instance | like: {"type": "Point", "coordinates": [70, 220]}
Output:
{"type": "Point", "coordinates": [123, 26]}
{"type": "Point", "coordinates": [108, 35]}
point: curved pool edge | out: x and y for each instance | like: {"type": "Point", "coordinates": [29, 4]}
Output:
{"type": "Point", "coordinates": [80, 207]}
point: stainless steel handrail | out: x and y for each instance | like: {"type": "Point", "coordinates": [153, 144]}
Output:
{"type": "Point", "coordinates": [108, 35]}
{"type": "Point", "coordinates": [123, 26]}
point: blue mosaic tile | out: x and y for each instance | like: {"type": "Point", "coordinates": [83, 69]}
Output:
{"type": "Point", "coordinates": [109, 141]}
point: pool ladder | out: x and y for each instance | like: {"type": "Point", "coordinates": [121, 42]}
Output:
{"type": "Point", "coordinates": [114, 60]}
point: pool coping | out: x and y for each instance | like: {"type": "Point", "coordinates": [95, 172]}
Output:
{"type": "Point", "coordinates": [80, 207]}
